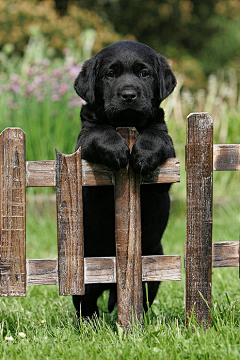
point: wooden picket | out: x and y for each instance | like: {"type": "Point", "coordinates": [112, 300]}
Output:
{"type": "Point", "coordinates": [202, 158]}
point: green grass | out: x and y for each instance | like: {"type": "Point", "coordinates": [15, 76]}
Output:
{"type": "Point", "coordinates": [51, 328]}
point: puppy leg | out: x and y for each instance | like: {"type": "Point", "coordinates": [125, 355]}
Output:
{"type": "Point", "coordinates": [86, 305]}
{"type": "Point", "coordinates": [152, 148]}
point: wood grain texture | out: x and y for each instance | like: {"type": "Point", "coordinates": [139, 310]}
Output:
{"type": "Point", "coordinates": [70, 224]}
{"type": "Point", "coordinates": [161, 267]}
{"type": "Point", "coordinates": [13, 212]}
{"type": "Point", "coordinates": [42, 272]}
{"type": "Point", "coordinates": [169, 172]}
{"type": "Point", "coordinates": [226, 157]}
{"type": "Point", "coordinates": [199, 166]}
{"type": "Point", "coordinates": [128, 240]}
{"type": "Point", "coordinates": [95, 174]}
{"type": "Point", "coordinates": [42, 174]}
{"type": "Point", "coordinates": [103, 270]}
{"type": "Point", "coordinates": [225, 254]}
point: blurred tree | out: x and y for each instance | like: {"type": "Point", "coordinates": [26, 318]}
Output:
{"type": "Point", "coordinates": [160, 23]}
{"type": "Point", "coordinates": [178, 28]}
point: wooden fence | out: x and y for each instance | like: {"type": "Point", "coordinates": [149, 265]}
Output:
{"type": "Point", "coordinates": [71, 270]}
{"type": "Point", "coordinates": [202, 158]}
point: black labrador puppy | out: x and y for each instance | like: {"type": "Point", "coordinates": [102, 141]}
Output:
{"type": "Point", "coordinates": [123, 85]}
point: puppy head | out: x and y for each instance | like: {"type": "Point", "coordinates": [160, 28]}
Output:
{"type": "Point", "coordinates": [126, 82]}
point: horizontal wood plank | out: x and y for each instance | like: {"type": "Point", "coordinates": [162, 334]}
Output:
{"type": "Point", "coordinates": [103, 270]}
{"type": "Point", "coordinates": [169, 172]}
{"type": "Point", "coordinates": [225, 254]}
{"type": "Point", "coordinates": [95, 174]}
{"type": "Point", "coordinates": [42, 174]}
{"type": "Point", "coordinates": [226, 157]}
{"type": "Point", "coordinates": [42, 271]}
{"type": "Point", "coordinates": [163, 268]}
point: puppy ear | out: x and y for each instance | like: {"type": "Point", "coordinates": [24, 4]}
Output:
{"type": "Point", "coordinates": [167, 79]}
{"type": "Point", "coordinates": [84, 84]}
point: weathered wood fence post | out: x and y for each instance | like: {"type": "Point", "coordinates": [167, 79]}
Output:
{"type": "Point", "coordinates": [70, 224]}
{"type": "Point", "coordinates": [199, 167]}
{"type": "Point", "coordinates": [13, 213]}
{"type": "Point", "coordinates": [128, 240]}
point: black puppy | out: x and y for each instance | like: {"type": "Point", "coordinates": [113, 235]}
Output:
{"type": "Point", "coordinates": [123, 85]}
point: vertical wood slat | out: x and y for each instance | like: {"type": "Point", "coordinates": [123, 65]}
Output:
{"type": "Point", "coordinates": [70, 224]}
{"type": "Point", "coordinates": [12, 212]}
{"type": "Point", "coordinates": [199, 166]}
{"type": "Point", "coordinates": [128, 240]}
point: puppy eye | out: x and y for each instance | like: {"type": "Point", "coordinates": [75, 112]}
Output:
{"type": "Point", "coordinates": [144, 73]}
{"type": "Point", "coordinates": [110, 73]}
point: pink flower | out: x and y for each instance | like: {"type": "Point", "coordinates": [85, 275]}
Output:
{"type": "Point", "coordinates": [46, 62]}
{"type": "Point", "coordinates": [40, 98]}
{"type": "Point", "coordinates": [63, 88]}
{"type": "Point", "coordinates": [74, 71]}
{"type": "Point", "coordinates": [76, 102]}
{"type": "Point", "coordinates": [15, 88]}
{"type": "Point", "coordinates": [12, 105]}
{"type": "Point", "coordinates": [57, 73]}
{"type": "Point", "coordinates": [55, 97]}
{"type": "Point", "coordinates": [29, 89]}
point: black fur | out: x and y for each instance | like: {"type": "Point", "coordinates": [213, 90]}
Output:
{"type": "Point", "coordinates": [123, 85]}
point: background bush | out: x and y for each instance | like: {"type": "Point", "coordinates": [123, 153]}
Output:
{"type": "Point", "coordinates": [21, 19]}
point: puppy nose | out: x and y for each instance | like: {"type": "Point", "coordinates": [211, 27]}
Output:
{"type": "Point", "coordinates": [128, 95]}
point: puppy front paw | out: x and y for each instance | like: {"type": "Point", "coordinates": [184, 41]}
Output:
{"type": "Point", "coordinates": [150, 150]}
{"type": "Point", "coordinates": [114, 154]}
{"type": "Point", "coordinates": [143, 161]}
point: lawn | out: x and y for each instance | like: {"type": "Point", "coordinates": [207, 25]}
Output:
{"type": "Point", "coordinates": [50, 327]}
